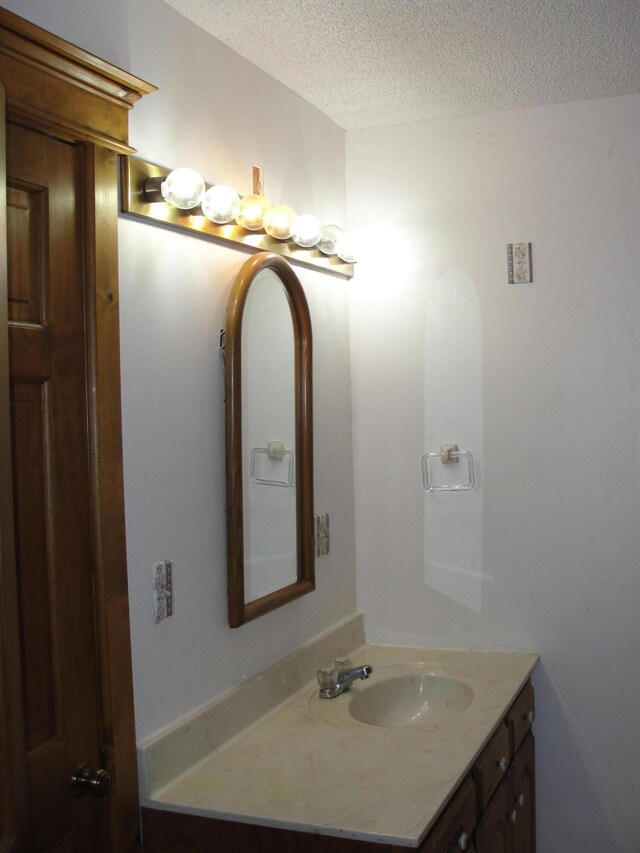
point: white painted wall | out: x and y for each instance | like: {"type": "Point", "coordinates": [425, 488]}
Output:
{"type": "Point", "coordinates": [556, 565]}
{"type": "Point", "coordinates": [219, 114]}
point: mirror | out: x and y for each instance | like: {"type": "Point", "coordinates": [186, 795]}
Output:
{"type": "Point", "coordinates": [269, 439]}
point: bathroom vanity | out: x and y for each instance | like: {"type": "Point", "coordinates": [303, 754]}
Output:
{"type": "Point", "coordinates": [452, 771]}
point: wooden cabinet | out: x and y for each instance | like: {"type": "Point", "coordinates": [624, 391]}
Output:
{"type": "Point", "coordinates": [454, 828]}
{"type": "Point", "coordinates": [494, 832]}
{"type": "Point", "coordinates": [508, 823]}
{"type": "Point", "coordinates": [520, 716]}
{"type": "Point", "coordinates": [492, 811]}
{"type": "Point", "coordinates": [522, 785]}
{"type": "Point", "coordinates": [491, 766]}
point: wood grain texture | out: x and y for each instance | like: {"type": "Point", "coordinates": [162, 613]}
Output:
{"type": "Point", "coordinates": [107, 490]}
{"type": "Point", "coordinates": [52, 499]}
{"type": "Point", "coordinates": [14, 819]}
{"type": "Point", "coordinates": [55, 85]}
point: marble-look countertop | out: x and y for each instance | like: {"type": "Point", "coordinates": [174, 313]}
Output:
{"type": "Point", "coordinates": [308, 765]}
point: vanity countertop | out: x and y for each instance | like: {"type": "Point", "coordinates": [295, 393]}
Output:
{"type": "Point", "coordinates": [308, 765]}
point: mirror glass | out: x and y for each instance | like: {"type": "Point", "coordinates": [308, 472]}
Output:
{"type": "Point", "coordinates": [268, 439]}
{"type": "Point", "coordinates": [270, 537]}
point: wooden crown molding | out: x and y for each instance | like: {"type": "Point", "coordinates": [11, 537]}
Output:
{"type": "Point", "coordinates": [78, 85]}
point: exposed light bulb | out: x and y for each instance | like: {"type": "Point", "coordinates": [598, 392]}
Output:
{"type": "Point", "coordinates": [329, 236]}
{"type": "Point", "coordinates": [183, 188]}
{"type": "Point", "coordinates": [305, 231]}
{"type": "Point", "coordinates": [346, 249]}
{"type": "Point", "coordinates": [278, 221]}
{"type": "Point", "coordinates": [220, 204]}
{"type": "Point", "coordinates": [251, 212]}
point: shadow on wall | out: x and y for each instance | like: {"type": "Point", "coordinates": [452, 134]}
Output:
{"type": "Point", "coordinates": [453, 374]}
{"type": "Point", "coordinates": [572, 790]}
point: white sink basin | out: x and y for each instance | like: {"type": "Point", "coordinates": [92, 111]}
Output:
{"type": "Point", "coordinates": [407, 695]}
{"type": "Point", "coordinates": [410, 700]}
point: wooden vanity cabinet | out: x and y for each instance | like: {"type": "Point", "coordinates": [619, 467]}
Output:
{"type": "Point", "coordinates": [523, 791]}
{"type": "Point", "coordinates": [490, 768]}
{"type": "Point", "coordinates": [454, 828]}
{"type": "Point", "coordinates": [494, 831]}
{"type": "Point", "coordinates": [520, 716]}
{"type": "Point", "coordinates": [507, 824]}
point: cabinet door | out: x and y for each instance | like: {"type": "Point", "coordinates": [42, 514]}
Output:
{"type": "Point", "coordinates": [494, 833]}
{"type": "Point", "coordinates": [454, 829]}
{"type": "Point", "coordinates": [523, 802]}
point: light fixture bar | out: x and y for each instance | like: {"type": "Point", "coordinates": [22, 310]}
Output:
{"type": "Point", "coordinates": [140, 197]}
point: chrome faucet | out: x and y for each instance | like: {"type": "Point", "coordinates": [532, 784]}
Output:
{"type": "Point", "coordinates": [334, 680]}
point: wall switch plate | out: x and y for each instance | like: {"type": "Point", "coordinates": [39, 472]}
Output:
{"type": "Point", "coordinates": [162, 590]}
{"type": "Point", "coordinates": [519, 270]}
{"type": "Point", "coordinates": [322, 535]}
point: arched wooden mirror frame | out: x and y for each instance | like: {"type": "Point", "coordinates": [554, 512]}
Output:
{"type": "Point", "coordinates": [239, 610]}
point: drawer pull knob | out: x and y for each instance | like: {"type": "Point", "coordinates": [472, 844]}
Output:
{"type": "Point", "coordinates": [503, 764]}
{"type": "Point", "coordinates": [530, 717]}
{"type": "Point", "coordinates": [463, 841]}
{"type": "Point", "coordinates": [520, 800]}
{"type": "Point", "coordinates": [514, 816]}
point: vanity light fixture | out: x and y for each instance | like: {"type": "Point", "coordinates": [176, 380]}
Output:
{"type": "Point", "coordinates": [305, 231]}
{"type": "Point", "coordinates": [180, 198]}
{"type": "Point", "coordinates": [220, 204]}
{"type": "Point", "coordinates": [183, 188]}
{"type": "Point", "coordinates": [251, 212]}
{"type": "Point", "coordinates": [278, 221]}
{"type": "Point", "coordinates": [329, 236]}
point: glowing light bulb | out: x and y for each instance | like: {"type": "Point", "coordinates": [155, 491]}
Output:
{"type": "Point", "coordinates": [346, 249]}
{"type": "Point", "coordinates": [305, 231]}
{"type": "Point", "coordinates": [278, 221]}
{"type": "Point", "coordinates": [220, 204]}
{"type": "Point", "coordinates": [183, 188]}
{"type": "Point", "coordinates": [329, 236]}
{"type": "Point", "coordinates": [251, 212]}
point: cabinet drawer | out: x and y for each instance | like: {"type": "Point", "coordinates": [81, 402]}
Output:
{"type": "Point", "coordinates": [521, 715]}
{"type": "Point", "coordinates": [492, 765]}
{"type": "Point", "coordinates": [453, 830]}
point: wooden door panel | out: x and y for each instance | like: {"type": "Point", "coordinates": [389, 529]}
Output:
{"type": "Point", "coordinates": [52, 492]}
{"type": "Point", "coordinates": [62, 241]}
{"type": "Point", "coordinates": [28, 405]}
{"type": "Point", "coordinates": [494, 833]}
{"type": "Point", "coordinates": [26, 250]}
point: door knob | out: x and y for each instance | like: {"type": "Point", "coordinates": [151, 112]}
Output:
{"type": "Point", "coordinates": [86, 780]}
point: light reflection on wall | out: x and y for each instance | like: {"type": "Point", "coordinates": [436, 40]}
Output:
{"type": "Point", "coordinates": [386, 257]}
{"type": "Point", "coordinates": [453, 521]}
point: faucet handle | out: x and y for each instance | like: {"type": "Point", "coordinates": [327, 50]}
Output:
{"type": "Point", "coordinates": [327, 677]}
{"type": "Point", "coordinates": [342, 663]}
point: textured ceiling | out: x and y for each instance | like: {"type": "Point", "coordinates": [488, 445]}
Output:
{"type": "Point", "coordinates": [375, 62]}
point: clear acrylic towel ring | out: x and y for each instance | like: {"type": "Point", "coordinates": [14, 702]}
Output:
{"type": "Point", "coordinates": [272, 470]}
{"type": "Point", "coordinates": [431, 461]}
